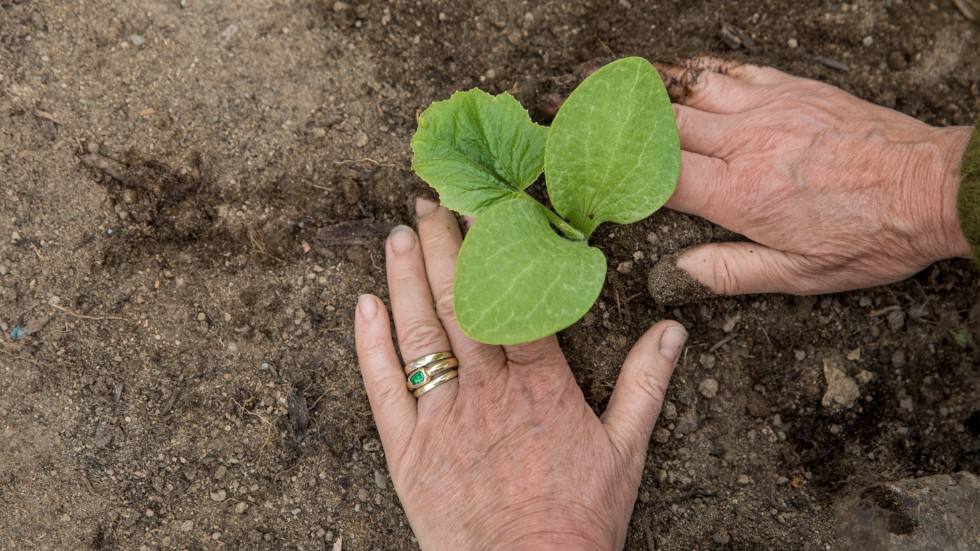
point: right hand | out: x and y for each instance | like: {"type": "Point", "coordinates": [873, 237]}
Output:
{"type": "Point", "coordinates": [836, 193]}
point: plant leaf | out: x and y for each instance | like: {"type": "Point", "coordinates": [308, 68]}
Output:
{"type": "Point", "coordinates": [613, 153]}
{"type": "Point", "coordinates": [476, 149]}
{"type": "Point", "coordinates": [518, 281]}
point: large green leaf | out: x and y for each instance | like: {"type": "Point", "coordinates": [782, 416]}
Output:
{"type": "Point", "coordinates": [613, 153]}
{"type": "Point", "coordinates": [518, 281]}
{"type": "Point", "coordinates": [476, 149]}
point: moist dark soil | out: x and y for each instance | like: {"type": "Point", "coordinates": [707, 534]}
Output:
{"type": "Point", "coordinates": [194, 193]}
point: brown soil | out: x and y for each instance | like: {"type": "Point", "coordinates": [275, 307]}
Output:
{"type": "Point", "coordinates": [188, 376]}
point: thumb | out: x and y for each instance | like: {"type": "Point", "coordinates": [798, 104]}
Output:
{"type": "Point", "coordinates": [639, 394]}
{"type": "Point", "coordinates": [746, 268]}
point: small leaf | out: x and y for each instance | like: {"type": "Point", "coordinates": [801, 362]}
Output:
{"type": "Point", "coordinates": [476, 150]}
{"type": "Point", "coordinates": [613, 154]}
{"type": "Point", "coordinates": [518, 281]}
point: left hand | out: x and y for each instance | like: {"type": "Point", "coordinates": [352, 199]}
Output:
{"type": "Point", "coordinates": [508, 455]}
{"type": "Point", "coordinates": [836, 193]}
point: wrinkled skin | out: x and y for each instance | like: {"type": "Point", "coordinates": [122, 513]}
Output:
{"type": "Point", "coordinates": [508, 455]}
{"type": "Point", "coordinates": [835, 192]}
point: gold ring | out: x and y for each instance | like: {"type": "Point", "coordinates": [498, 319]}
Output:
{"type": "Point", "coordinates": [426, 360]}
{"type": "Point", "coordinates": [442, 378]}
{"type": "Point", "coordinates": [423, 375]}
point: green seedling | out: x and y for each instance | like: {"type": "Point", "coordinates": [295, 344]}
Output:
{"type": "Point", "coordinates": [612, 154]}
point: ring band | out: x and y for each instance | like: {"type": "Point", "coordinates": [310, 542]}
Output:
{"type": "Point", "coordinates": [426, 360]}
{"type": "Point", "coordinates": [442, 378]}
{"type": "Point", "coordinates": [424, 375]}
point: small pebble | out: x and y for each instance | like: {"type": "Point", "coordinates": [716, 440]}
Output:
{"type": "Point", "coordinates": [137, 39]}
{"type": "Point", "coordinates": [625, 267]}
{"type": "Point", "coordinates": [187, 526]}
{"type": "Point", "coordinates": [721, 537]}
{"type": "Point", "coordinates": [730, 324]}
{"type": "Point", "coordinates": [380, 481]}
{"type": "Point", "coordinates": [792, 43]}
{"type": "Point", "coordinates": [685, 425]}
{"type": "Point", "coordinates": [218, 495]}
{"type": "Point", "coordinates": [896, 320]}
{"type": "Point", "coordinates": [661, 435]}
{"type": "Point", "coordinates": [742, 480]}
{"type": "Point", "coordinates": [92, 147]}
{"type": "Point", "coordinates": [708, 388]}
{"type": "Point", "coordinates": [897, 61]}
{"type": "Point", "coordinates": [868, 40]}
{"type": "Point", "coordinates": [340, 6]}
{"type": "Point", "coordinates": [240, 507]}
{"type": "Point", "coordinates": [232, 347]}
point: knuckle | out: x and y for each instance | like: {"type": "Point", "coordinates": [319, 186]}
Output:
{"type": "Point", "coordinates": [653, 387]}
{"type": "Point", "coordinates": [369, 345]}
{"type": "Point", "coordinates": [422, 332]}
{"type": "Point", "coordinates": [389, 393]}
{"type": "Point", "coordinates": [406, 272]}
{"type": "Point", "coordinates": [445, 308]}
{"type": "Point", "coordinates": [723, 273]}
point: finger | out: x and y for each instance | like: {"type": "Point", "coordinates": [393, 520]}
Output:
{"type": "Point", "coordinates": [745, 72]}
{"type": "Point", "coordinates": [639, 394]}
{"type": "Point", "coordinates": [709, 91]}
{"type": "Point", "coordinates": [418, 329]}
{"type": "Point", "coordinates": [393, 406]}
{"type": "Point", "coordinates": [703, 132]}
{"type": "Point", "coordinates": [703, 188]}
{"type": "Point", "coordinates": [747, 268]}
{"type": "Point", "coordinates": [440, 237]}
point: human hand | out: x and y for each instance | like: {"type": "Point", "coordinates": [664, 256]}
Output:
{"type": "Point", "coordinates": [508, 455]}
{"type": "Point", "coordinates": [835, 192]}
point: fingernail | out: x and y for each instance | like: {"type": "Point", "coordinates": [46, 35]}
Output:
{"type": "Point", "coordinates": [424, 207]}
{"type": "Point", "coordinates": [367, 306]}
{"type": "Point", "coordinates": [672, 341]}
{"type": "Point", "coordinates": [402, 239]}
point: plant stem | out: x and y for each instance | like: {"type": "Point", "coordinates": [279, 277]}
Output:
{"type": "Point", "coordinates": [566, 228]}
{"type": "Point", "coordinates": [563, 225]}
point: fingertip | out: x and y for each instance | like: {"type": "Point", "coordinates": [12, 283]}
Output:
{"type": "Point", "coordinates": [424, 207]}
{"type": "Point", "coordinates": [672, 341]}
{"type": "Point", "coordinates": [367, 307]}
{"type": "Point", "coordinates": [665, 338]}
{"type": "Point", "coordinates": [372, 333]}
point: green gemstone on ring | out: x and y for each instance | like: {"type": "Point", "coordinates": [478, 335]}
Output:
{"type": "Point", "coordinates": [417, 378]}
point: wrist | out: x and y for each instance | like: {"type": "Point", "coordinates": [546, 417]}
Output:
{"type": "Point", "coordinates": [936, 178]}
{"type": "Point", "coordinates": [556, 527]}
